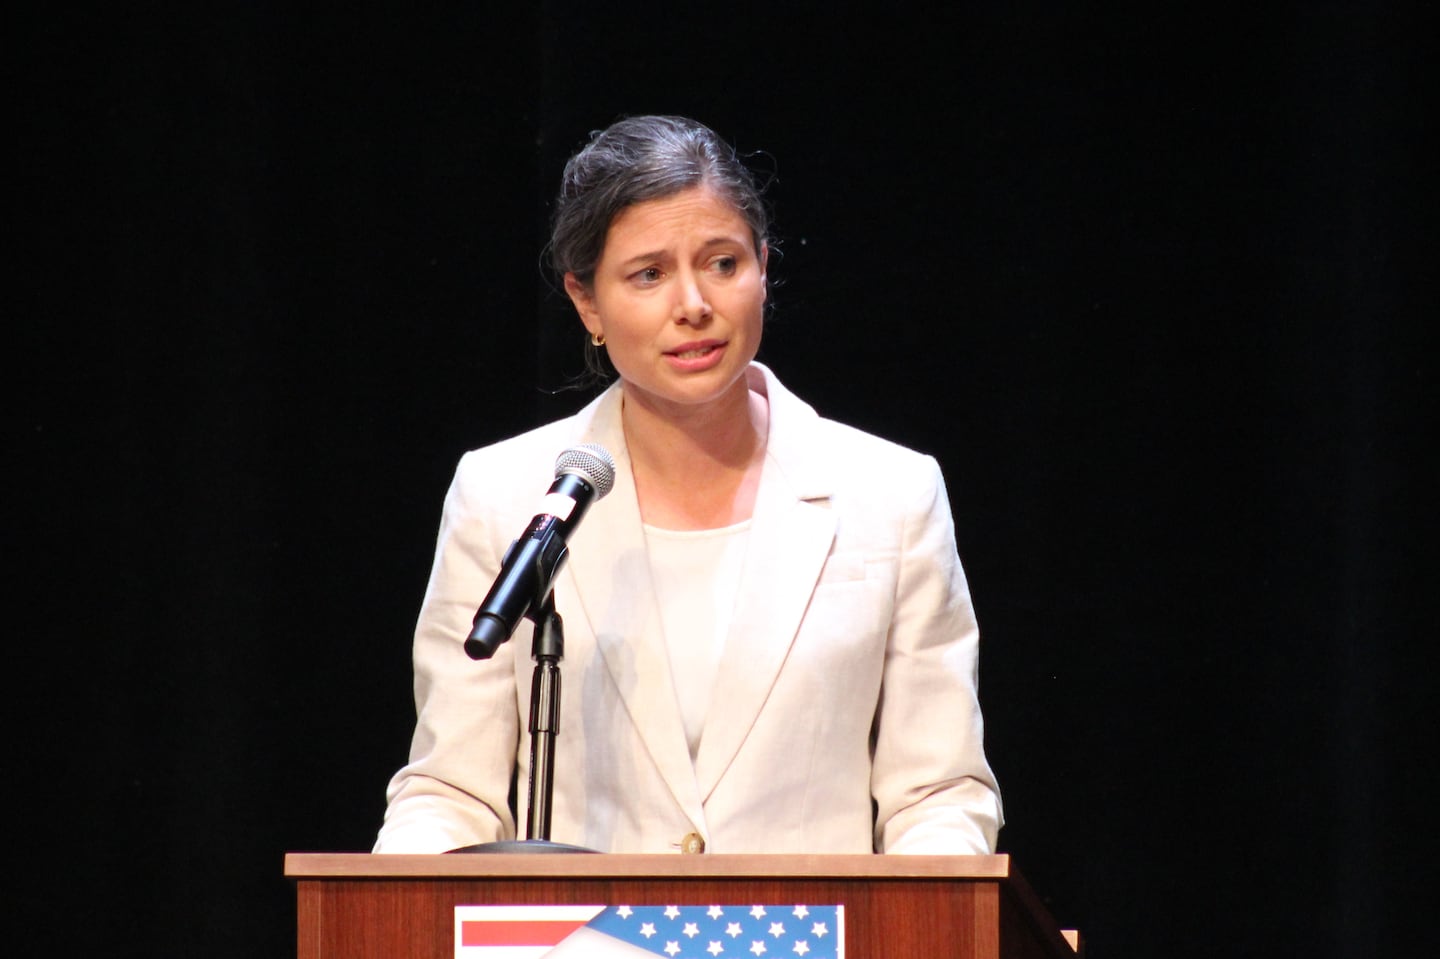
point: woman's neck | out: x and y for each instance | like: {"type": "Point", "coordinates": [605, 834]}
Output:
{"type": "Point", "coordinates": [697, 468]}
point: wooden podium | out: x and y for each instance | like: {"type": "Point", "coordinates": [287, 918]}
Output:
{"type": "Point", "coordinates": [357, 906]}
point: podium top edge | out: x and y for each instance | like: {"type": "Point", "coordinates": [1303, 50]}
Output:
{"type": "Point", "coordinates": [311, 865]}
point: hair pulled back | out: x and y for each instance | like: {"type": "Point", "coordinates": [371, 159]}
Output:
{"type": "Point", "coordinates": [635, 160]}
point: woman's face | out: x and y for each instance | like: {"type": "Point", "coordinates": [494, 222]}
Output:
{"type": "Point", "coordinates": [679, 296]}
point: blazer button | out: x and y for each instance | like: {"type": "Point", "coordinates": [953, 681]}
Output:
{"type": "Point", "coordinates": [692, 843]}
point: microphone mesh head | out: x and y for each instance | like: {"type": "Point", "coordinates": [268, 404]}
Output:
{"type": "Point", "coordinates": [591, 462]}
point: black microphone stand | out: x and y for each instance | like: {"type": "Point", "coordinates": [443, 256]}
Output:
{"type": "Point", "coordinates": [547, 649]}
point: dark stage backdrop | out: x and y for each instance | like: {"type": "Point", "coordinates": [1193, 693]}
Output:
{"type": "Point", "coordinates": [1150, 285]}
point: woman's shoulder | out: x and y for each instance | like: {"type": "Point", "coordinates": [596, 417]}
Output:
{"type": "Point", "coordinates": [806, 429]}
{"type": "Point", "coordinates": [820, 453]}
{"type": "Point", "coordinates": [518, 469]}
{"type": "Point", "coordinates": [876, 470]}
{"type": "Point", "coordinates": [857, 442]}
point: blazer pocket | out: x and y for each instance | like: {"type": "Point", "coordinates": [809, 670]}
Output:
{"type": "Point", "coordinates": [845, 567]}
{"type": "Point", "coordinates": [857, 566]}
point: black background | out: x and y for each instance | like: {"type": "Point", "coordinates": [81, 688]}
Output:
{"type": "Point", "coordinates": [1155, 286]}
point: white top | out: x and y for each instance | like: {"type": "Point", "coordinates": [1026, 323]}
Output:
{"type": "Point", "coordinates": [697, 577]}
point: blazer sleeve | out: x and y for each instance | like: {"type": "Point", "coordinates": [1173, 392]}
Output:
{"type": "Point", "coordinates": [933, 788]}
{"type": "Point", "coordinates": [455, 789]}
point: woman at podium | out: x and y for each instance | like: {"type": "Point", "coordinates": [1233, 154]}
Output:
{"type": "Point", "coordinates": [769, 640]}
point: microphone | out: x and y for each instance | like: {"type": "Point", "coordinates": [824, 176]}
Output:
{"type": "Point", "coordinates": [583, 474]}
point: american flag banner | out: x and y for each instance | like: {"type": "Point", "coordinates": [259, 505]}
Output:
{"type": "Point", "coordinates": [674, 932]}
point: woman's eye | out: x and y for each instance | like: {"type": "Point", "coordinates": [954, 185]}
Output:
{"type": "Point", "coordinates": [651, 274]}
{"type": "Point", "coordinates": [725, 264]}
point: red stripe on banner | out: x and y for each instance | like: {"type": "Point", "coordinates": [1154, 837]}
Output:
{"type": "Point", "coordinates": [517, 932]}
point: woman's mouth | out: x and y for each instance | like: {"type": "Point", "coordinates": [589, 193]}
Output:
{"type": "Point", "coordinates": [693, 352]}
{"type": "Point", "coordinates": [694, 357]}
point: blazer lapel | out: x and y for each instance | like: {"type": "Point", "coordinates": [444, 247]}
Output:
{"type": "Point", "coordinates": [611, 571]}
{"type": "Point", "coordinates": [790, 538]}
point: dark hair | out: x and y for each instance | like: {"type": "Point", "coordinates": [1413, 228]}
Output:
{"type": "Point", "coordinates": [635, 160]}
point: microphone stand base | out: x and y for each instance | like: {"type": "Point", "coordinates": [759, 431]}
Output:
{"type": "Point", "coordinates": [521, 846]}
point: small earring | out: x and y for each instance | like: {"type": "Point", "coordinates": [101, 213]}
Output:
{"type": "Point", "coordinates": [597, 339]}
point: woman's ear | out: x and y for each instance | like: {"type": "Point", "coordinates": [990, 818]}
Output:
{"type": "Point", "coordinates": [764, 260]}
{"type": "Point", "coordinates": [584, 301]}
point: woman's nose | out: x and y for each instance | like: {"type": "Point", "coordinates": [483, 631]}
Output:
{"type": "Point", "coordinates": [691, 306]}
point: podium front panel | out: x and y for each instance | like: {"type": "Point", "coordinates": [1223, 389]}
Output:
{"type": "Point", "coordinates": [383, 907]}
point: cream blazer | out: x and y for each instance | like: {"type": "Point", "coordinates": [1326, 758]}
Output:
{"type": "Point", "coordinates": [845, 716]}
